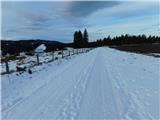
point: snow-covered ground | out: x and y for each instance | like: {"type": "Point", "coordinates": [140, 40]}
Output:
{"type": "Point", "coordinates": [30, 61]}
{"type": "Point", "coordinates": [101, 84]}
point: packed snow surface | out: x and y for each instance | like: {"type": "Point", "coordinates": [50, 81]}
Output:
{"type": "Point", "coordinates": [101, 84]}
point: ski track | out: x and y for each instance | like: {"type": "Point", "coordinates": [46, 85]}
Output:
{"type": "Point", "coordinates": [41, 98]}
{"type": "Point", "coordinates": [51, 76]}
{"type": "Point", "coordinates": [132, 107]}
{"type": "Point", "coordinates": [105, 105]}
{"type": "Point", "coordinates": [87, 91]}
{"type": "Point", "coordinates": [70, 109]}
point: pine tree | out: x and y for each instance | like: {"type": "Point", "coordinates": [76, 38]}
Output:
{"type": "Point", "coordinates": [80, 38]}
{"type": "Point", "coordinates": [85, 36]}
{"type": "Point", "coordinates": [109, 38]}
{"type": "Point", "coordinates": [75, 38]}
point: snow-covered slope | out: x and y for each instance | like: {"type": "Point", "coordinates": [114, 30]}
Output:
{"type": "Point", "coordinates": [102, 84]}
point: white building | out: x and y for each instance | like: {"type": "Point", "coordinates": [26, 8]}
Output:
{"type": "Point", "coordinates": [40, 48]}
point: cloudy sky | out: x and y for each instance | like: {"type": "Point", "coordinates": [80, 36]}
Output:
{"type": "Point", "coordinates": [58, 20]}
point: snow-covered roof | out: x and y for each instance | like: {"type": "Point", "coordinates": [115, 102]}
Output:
{"type": "Point", "coordinates": [69, 48]}
{"type": "Point", "coordinates": [40, 48]}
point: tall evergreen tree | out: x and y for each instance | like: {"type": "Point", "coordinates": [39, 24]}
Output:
{"type": "Point", "coordinates": [80, 37]}
{"type": "Point", "coordinates": [76, 37]}
{"type": "Point", "coordinates": [85, 36]}
{"type": "Point", "coordinates": [81, 40]}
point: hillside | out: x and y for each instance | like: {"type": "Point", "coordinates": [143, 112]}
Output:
{"type": "Point", "coordinates": [12, 47]}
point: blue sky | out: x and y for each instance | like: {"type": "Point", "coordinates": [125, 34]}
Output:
{"type": "Point", "coordinates": [57, 21]}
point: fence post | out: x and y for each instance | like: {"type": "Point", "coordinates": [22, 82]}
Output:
{"type": "Point", "coordinates": [73, 52]}
{"type": "Point", "coordinates": [77, 50]}
{"type": "Point", "coordinates": [69, 52]}
{"type": "Point", "coordinates": [52, 55]}
{"type": "Point", "coordinates": [37, 58]}
{"type": "Point", "coordinates": [62, 54]}
{"type": "Point", "coordinates": [7, 66]}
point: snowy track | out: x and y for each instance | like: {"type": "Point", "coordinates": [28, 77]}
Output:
{"type": "Point", "coordinates": [92, 86]}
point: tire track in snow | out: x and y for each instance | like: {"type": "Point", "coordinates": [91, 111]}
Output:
{"type": "Point", "coordinates": [49, 96]}
{"type": "Point", "coordinates": [48, 77]}
{"type": "Point", "coordinates": [93, 104]}
{"type": "Point", "coordinates": [130, 107]}
{"type": "Point", "coordinates": [113, 110]}
{"type": "Point", "coordinates": [51, 99]}
{"type": "Point", "coordinates": [122, 99]}
{"type": "Point", "coordinates": [70, 109]}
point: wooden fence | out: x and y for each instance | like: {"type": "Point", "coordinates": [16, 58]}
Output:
{"type": "Point", "coordinates": [55, 55]}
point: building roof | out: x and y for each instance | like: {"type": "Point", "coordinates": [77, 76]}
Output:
{"type": "Point", "coordinates": [40, 48]}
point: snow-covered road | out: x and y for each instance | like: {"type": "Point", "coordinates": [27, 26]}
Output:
{"type": "Point", "coordinates": [101, 84]}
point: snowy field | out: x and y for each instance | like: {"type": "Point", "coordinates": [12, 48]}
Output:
{"type": "Point", "coordinates": [101, 84]}
{"type": "Point", "coordinates": [31, 61]}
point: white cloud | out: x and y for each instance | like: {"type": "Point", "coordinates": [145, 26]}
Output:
{"type": "Point", "coordinates": [125, 9]}
{"type": "Point", "coordinates": [143, 25]}
{"type": "Point", "coordinates": [129, 17]}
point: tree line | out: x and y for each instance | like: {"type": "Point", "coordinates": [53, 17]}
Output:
{"type": "Point", "coordinates": [125, 40]}
{"type": "Point", "coordinates": [82, 40]}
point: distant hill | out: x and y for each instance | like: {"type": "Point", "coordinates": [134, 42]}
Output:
{"type": "Point", "coordinates": [13, 47]}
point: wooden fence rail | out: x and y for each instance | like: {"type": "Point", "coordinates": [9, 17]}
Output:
{"type": "Point", "coordinates": [64, 54]}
